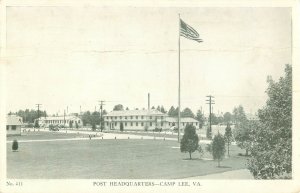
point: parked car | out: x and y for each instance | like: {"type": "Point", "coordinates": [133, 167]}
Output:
{"type": "Point", "coordinates": [54, 129]}
{"type": "Point", "coordinates": [173, 128]}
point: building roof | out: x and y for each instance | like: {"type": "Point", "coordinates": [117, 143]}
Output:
{"type": "Point", "coordinates": [135, 113]}
{"type": "Point", "coordinates": [182, 119]}
{"type": "Point", "coordinates": [59, 118]}
{"type": "Point", "coordinates": [14, 120]}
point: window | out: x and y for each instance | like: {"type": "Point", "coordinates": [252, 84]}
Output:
{"type": "Point", "coordinates": [196, 123]}
{"type": "Point", "coordinates": [115, 124]}
{"type": "Point", "coordinates": [137, 124]}
{"type": "Point", "coordinates": [131, 117]}
{"type": "Point", "coordinates": [115, 117]}
{"type": "Point", "coordinates": [162, 124]}
{"type": "Point", "coordinates": [169, 124]}
{"type": "Point", "coordinates": [131, 124]}
{"type": "Point", "coordinates": [142, 117]}
{"type": "Point", "coordinates": [14, 127]}
{"type": "Point", "coordinates": [150, 123]}
{"type": "Point", "coordinates": [125, 124]}
{"type": "Point", "coordinates": [183, 124]}
{"type": "Point", "coordinates": [7, 127]}
{"type": "Point", "coordinates": [161, 117]}
{"type": "Point", "coordinates": [125, 117]}
{"type": "Point", "coordinates": [107, 123]}
{"type": "Point", "coordinates": [78, 121]}
{"type": "Point", "coordinates": [120, 117]}
{"type": "Point", "coordinates": [150, 117]}
{"type": "Point", "coordinates": [142, 124]}
{"type": "Point", "coordinates": [137, 117]}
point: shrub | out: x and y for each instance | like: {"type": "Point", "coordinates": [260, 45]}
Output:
{"type": "Point", "coordinates": [15, 145]}
{"type": "Point", "coordinates": [157, 129]}
{"type": "Point", "coordinates": [121, 127]}
{"type": "Point", "coordinates": [146, 127]}
{"type": "Point", "coordinates": [93, 126]}
{"type": "Point", "coordinates": [36, 124]}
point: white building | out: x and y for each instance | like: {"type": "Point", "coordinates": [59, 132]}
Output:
{"type": "Point", "coordinates": [13, 125]}
{"type": "Point", "coordinates": [184, 121]}
{"type": "Point", "coordinates": [60, 121]}
{"type": "Point", "coordinates": [143, 120]}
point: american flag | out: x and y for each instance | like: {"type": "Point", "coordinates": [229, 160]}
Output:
{"type": "Point", "coordinates": [189, 32]}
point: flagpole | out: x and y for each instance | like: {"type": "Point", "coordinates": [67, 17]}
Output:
{"type": "Point", "coordinates": [179, 80]}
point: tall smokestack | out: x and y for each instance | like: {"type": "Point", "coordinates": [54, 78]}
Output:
{"type": "Point", "coordinates": [148, 101]}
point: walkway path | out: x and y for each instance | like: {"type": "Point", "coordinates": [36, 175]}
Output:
{"type": "Point", "coordinates": [241, 174]}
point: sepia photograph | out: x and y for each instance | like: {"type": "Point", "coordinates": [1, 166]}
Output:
{"type": "Point", "coordinates": [147, 96]}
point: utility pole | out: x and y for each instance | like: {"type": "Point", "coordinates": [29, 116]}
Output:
{"type": "Point", "coordinates": [101, 114]}
{"type": "Point", "coordinates": [64, 118]}
{"type": "Point", "coordinates": [210, 102]}
{"type": "Point", "coordinates": [38, 106]}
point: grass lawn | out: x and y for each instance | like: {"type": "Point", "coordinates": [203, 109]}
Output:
{"type": "Point", "coordinates": [111, 159]}
{"type": "Point", "coordinates": [40, 135]}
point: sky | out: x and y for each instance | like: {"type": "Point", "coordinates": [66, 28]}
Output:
{"type": "Point", "coordinates": [67, 57]}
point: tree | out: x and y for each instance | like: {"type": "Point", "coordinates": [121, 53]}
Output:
{"type": "Point", "coordinates": [227, 117]}
{"type": "Point", "coordinates": [93, 126]}
{"type": "Point", "coordinates": [238, 115]}
{"type": "Point", "coordinates": [104, 112]}
{"type": "Point", "coordinates": [153, 107]}
{"type": "Point", "coordinates": [200, 117]}
{"type": "Point", "coordinates": [70, 124]}
{"type": "Point", "coordinates": [162, 109]}
{"type": "Point", "coordinates": [187, 113]}
{"type": "Point", "coordinates": [214, 119]}
{"type": "Point", "coordinates": [220, 119]}
{"type": "Point", "coordinates": [190, 140]}
{"type": "Point", "coordinates": [30, 116]}
{"type": "Point", "coordinates": [172, 112]}
{"type": "Point", "coordinates": [86, 118]}
{"type": "Point", "coordinates": [76, 125]}
{"type": "Point", "coordinates": [127, 109]}
{"type": "Point", "coordinates": [95, 118]}
{"type": "Point", "coordinates": [118, 107]}
{"type": "Point", "coordinates": [228, 137]}
{"type": "Point", "coordinates": [158, 108]}
{"type": "Point", "coordinates": [243, 135]}
{"type": "Point", "coordinates": [243, 128]}
{"type": "Point", "coordinates": [218, 148]}
{"type": "Point", "coordinates": [36, 124]}
{"type": "Point", "coordinates": [271, 152]}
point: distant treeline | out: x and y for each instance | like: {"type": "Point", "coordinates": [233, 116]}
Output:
{"type": "Point", "coordinates": [29, 116]}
